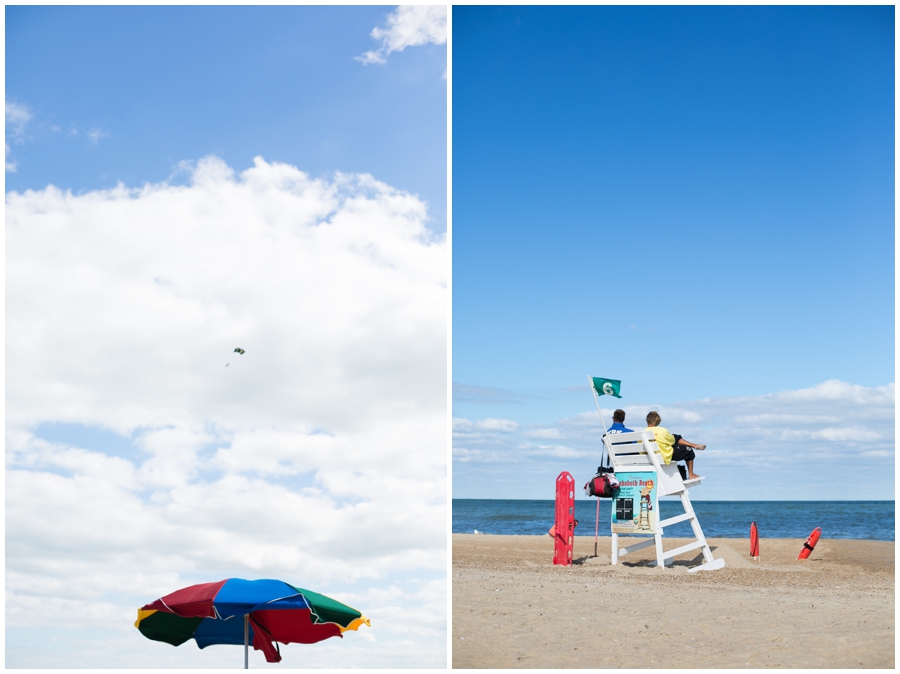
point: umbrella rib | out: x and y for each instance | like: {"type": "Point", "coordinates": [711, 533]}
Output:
{"type": "Point", "coordinates": [296, 594]}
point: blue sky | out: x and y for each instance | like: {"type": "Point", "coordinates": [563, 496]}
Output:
{"type": "Point", "coordinates": [159, 85]}
{"type": "Point", "coordinates": [697, 201]}
{"type": "Point", "coordinates": [181, 182]}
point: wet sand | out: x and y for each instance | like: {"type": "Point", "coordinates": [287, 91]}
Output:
{"type": "Point", "coordinates": [513, 608]}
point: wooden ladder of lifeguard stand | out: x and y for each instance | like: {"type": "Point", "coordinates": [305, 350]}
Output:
{"type": "Point", "coordinates": [638, 451]}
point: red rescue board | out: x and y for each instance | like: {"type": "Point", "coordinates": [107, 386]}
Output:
{"type": "Point", "coordinates": [810, 543]}
{"type": "Point", "coordinates": [754, 541]}
{"type": "Point", "coordinates": [564, 534]}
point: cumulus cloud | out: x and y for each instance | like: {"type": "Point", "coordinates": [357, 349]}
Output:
{"type": "Point", "coordinates": [781, 445]}
{"type": "Point", "coordinates": [408, 26]}
{"type": "Point", "coordinates": [316, 456]}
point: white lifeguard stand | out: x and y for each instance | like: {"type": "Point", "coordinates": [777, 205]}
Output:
{"type": "Point", "coordinates": [638, 451]}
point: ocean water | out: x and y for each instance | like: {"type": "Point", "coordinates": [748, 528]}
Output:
{"type": "Point", "coordinates": [860, 520]}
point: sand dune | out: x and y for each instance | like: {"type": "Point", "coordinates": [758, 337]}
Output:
{"type": "Point", "coordinates": [513, 608]}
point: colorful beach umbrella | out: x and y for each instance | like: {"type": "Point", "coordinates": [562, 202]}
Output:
{"type": "Point", "coordinates": [236, 611]}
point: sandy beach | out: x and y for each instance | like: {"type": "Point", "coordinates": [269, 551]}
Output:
{"type": "Point", "coordinates": [513, 608]}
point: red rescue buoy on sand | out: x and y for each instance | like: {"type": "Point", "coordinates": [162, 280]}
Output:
{"type": "Point", "coordinates": [754, 541]}
{"type": "Point", "coordinates": [810, 543]}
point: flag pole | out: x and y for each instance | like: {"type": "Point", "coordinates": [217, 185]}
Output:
{"type": "Point", "coordinates": [246, 639]}
{"type": "Point", "coordinates": [597, 400]}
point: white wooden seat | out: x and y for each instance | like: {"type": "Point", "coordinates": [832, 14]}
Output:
{"type": "Point", "coordinates": [638, 451]}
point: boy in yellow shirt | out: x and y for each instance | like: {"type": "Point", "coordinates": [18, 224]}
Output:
{"type": "Point", "coordinates": [673, 447]}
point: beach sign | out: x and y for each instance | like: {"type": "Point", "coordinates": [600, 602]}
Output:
{"type": "Point", "coordinates": [635, 506]}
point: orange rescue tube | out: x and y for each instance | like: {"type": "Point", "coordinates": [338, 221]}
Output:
{"type": "Point", "coordinates": [754, 541]}
{"type": "Point", "coordinates": [810, 543]}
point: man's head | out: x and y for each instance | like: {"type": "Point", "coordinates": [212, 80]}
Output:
{"type": "Point", "coordinates": [619, 416]}
{"type": "Point", "coordinates": [653, 419]}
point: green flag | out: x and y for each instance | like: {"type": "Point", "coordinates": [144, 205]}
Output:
{"type": "Point", "coordinates": [607, 387]}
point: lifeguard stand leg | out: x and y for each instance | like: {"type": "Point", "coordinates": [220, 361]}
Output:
{"type": "Point", "coordinates": [695, 525]}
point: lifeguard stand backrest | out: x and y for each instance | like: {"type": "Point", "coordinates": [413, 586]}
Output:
{"type": "Point", "coordinates": [638, 450]}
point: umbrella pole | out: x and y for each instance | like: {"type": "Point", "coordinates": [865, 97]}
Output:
{"type": "Point", "coordinates": [246, 640]}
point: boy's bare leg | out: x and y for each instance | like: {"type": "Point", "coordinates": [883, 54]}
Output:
{"type": "Point", "coordinates": [690, 466]}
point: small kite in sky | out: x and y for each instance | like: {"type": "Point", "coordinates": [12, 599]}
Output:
{"type": "Point", "coordinates": [239, 350]}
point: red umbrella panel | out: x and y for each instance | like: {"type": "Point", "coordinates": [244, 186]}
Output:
{"type": "Point", "coordinates": [212, 613]}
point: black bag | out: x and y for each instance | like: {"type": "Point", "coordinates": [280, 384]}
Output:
{"type": "Point", "coordinates": [600, 485]}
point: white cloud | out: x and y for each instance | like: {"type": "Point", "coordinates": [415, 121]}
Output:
{"type": "Point", "coordinates": [17, 116]}
{"type": "Point", "coordinates": [408, 26]}
{"type": "Point", "coordinates": [93, 134]}
{"type": "Point", "coordinates": [554, 450]}
{"type": "Point", "coordinates": [96, 134]}
{"type": "Point", "coordinates": [758, 446]}
{"type": "Point", "coordinates": [543, 434]}
{"type": "Point", "coordinates": [500, 425]}
{"type": "Point", "coordinates": [462, 425]}
{"type": "Point", "coordinates": [483, 432]}
{"type": "Point", "coordinates": [317, 456]}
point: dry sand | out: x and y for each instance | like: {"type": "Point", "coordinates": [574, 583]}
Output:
{"type": "Point", "coordinates": [513, 608]}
